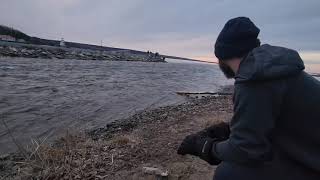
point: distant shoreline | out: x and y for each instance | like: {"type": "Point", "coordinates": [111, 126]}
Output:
{"type": "Point", "coordinates": [315, 74]}
{"type": "Point", "coordinates": [11, 49]}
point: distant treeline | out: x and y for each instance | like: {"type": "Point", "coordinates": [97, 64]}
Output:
{"type": "Point", "coordinates": [4, 30]}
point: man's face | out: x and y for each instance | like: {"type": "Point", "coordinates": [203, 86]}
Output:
{"type": "Point", "coordinates": [227, 71]}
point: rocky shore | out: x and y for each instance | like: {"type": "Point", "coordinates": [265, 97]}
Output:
{"type": "Point", "coordinates": [52, 52]}
{"type": "Point", "coordinates": [140, 147]}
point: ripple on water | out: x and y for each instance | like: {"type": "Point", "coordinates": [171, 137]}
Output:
{"type": "Point", "coordinates": [53, 95]}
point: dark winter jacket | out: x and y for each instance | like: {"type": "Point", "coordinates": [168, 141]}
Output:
{"type": "Point", "coordinates": [276, 108]}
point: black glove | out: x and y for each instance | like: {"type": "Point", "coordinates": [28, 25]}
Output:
{"type": "Point", "coordinates": [199, 146]}
{"type": "Point", "coordinates": [219, 131]}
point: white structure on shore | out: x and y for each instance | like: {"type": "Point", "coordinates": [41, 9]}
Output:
{"type": "Point", "coordinates": [62, 43]}
{"type": "Point", "coordinates": [7, 38]}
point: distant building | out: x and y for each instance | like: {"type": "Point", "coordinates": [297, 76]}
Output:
{"type": "Point", "coordinates": [62, 43]}
{"type": "Point", "coordinates": [7, 38]}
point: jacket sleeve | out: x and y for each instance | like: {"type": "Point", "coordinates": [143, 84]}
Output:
{"type": "Point", "coordinates": [256, 108]}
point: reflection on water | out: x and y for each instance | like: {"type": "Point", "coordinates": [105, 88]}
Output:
{"type": "Point", "coordinates": [41, 97]}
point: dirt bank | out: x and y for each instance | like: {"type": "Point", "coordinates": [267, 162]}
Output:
{"type": "Point", "coordinates": [121, 149]}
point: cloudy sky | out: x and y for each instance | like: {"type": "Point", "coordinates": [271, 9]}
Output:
{"type": "Point", "coordinates": [176, 27]}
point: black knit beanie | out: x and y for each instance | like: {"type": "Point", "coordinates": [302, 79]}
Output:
{"type": "Point", "coordinates": [237, 38]}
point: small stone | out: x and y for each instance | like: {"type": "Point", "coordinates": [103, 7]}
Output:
{"type": "Point", "coordinates": [13, 49]}
{"type": "Point", "coordinates": [154, 171]}
{"type": "Point", "coordinates": [4, 156]}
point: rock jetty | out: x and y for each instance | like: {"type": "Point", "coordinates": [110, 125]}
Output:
{"type": "Point", "coordinates": [51, 52]}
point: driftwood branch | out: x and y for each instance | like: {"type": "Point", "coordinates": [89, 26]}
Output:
{"type": "Point", "coordinates": [204, 93]}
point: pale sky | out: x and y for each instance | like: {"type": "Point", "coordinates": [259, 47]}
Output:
{"type": "Point", "coordinates": [186, 28]}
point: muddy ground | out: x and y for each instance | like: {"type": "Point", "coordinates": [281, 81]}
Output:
{"type": "Point", "coordinates": [122, 149]}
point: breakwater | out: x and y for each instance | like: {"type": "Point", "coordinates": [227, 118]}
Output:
{"type": "Point", "coordinates": [53, 52]}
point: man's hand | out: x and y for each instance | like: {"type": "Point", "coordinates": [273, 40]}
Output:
{"type": "Point", "coordinates": [199, 146]}
{"type": "Point", "coordinates": [191, 144]}
{"type": "Point", "coordinates": [220, 131]}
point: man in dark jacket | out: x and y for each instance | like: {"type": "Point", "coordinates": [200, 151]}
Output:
{"type": "Point", "coordinates": [275, 129]}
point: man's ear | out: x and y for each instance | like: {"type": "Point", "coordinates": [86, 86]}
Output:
{"type": "Point", "coordinates": [226, 69]}
{"type": "Point", "coordinates": [234, 64]}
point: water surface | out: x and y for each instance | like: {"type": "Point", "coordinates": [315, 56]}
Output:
{"type": "Point", "coordinates": [42, 98]}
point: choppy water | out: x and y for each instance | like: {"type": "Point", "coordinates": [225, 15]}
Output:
{"type": "Point", "coordinates": [40, 98]}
